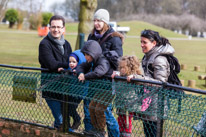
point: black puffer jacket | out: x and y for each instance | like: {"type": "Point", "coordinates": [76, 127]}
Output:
{"type": "Point", "coordinates": [99, 67]}
{"type": "Point", "coordinates": [113, 42]}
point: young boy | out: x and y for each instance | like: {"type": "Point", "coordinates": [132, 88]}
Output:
{"type": "Point", "coordinates": [96, 66]}
{"type": "Point", "coordinates": [75, 59]}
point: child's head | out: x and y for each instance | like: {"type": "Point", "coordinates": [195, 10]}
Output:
{"type": "Point", "coordinates": [88, 57]}
{"type": "Point", "coordinates": [73, 60]}
{"type": "Point", "coordinates": [129, 65]}
{"type": "Point", "coordinates": [92, 50]}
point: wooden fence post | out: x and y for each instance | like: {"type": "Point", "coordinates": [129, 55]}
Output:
{"type": "Point", "coordinates": [191, 83]}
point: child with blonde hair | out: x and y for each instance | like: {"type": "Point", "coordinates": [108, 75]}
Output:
{"type": "Point", "coordinates": [128, 65]}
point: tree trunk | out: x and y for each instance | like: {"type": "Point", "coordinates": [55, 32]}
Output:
{"type": "Point", "coordinates": [87, 8]}
{"type": "Point", "coordinates": [11, 24]}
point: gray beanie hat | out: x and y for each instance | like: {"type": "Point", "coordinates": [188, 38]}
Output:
{"type": "Point", "coordinates": [103, 15]}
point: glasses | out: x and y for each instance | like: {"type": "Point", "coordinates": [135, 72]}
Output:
{"type": "Point", "coordinates": [56, 27]}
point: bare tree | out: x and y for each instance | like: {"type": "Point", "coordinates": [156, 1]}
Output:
{"type": "Point", "coordinates": [197, 7]}
{"type": "Point", "coordinates": [171, 7]}
{"type": "Point", "coordinates": [87, 8]}
{"type": "Point", "coordinates": [3, 6]}
{"type": "Point", "coordinates": [72, 8]}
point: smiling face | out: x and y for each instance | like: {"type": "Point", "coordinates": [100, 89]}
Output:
{"type": "Point", "coordinates": [72, 62]}
{"type": "Point", "coordinates": [147, 45]}
{"type": "Point", "coordinates": [56, 28]}
{"type": "Point", "coordinates": [98, 24]}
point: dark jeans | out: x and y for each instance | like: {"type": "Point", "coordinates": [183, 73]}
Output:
{"type": "Point", "coordinates": [56, 109]}
{"type": "Point", "coordinates": [153, 129]}
{"type": "Point", "coordinates": [72, 107]}
{"type": "Point", "coordinates": [150, 128]}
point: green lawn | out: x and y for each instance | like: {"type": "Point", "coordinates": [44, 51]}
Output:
{"type": "Point", "coordinates": [21, 47]}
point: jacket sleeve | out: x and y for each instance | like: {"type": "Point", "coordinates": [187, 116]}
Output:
{"type": "Point", "coordinates": [46, 57]}
{"type": "Point", "coordinates": [100, 70]}
{"type": "Point", "coordinates": [83, 68]}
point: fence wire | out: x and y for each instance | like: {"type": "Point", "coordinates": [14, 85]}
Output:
{"type": "Point", "coordinates": [144, 105]}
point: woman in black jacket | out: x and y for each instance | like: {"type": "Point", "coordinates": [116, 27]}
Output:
{"type": "Point", "coordinates": [111, 44]}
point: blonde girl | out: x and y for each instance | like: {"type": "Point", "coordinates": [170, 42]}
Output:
{"type": "Point", "coordinates": [128, 65]}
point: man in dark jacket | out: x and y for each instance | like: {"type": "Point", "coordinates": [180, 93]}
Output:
{"type": "Point", "coordinates": [54, 53]}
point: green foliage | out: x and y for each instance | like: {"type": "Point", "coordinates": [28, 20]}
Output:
{"type": "Point", "coordinates": [46, 17]}
{"type": "Point", "coordinates": [11, 15]}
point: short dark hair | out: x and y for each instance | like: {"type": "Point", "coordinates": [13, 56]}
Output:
{"type": "Point", "coordinates": [57, 17]}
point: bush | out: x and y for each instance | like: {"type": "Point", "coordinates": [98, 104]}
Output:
{"type": "Point", "coordinates": [35, 21]}
{"type": "Point", "coordinates": [20, 20]}
{"type": "Point", "coordinates": [45, 18]}
{"type": "Point", "coordinates": [12, 16]}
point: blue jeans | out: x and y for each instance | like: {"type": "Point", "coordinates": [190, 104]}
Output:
{"type": "Point", "coordinates": [87, 120]}
{"type": "Point", "coordinates": [56, 108]}
{"type": "Point", "coordinates": [112, 125]}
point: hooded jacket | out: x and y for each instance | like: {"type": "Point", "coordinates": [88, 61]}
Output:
{"type": "Point", "coordinates": [158, 62]}
{"type": "Point", "coordinates": [80, 55]}
{"type": "Point", "coordinates": [99, 67]}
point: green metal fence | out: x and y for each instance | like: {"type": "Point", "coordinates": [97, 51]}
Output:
{"type": "Point", "coordinates": [177, 115]}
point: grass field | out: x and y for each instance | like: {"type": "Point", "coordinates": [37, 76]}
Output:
{"type": "Point", "coordinates": [21, 47]}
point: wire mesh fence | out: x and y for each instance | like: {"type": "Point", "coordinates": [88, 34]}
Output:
{"type": "Point", "coordinates": [140, 108]}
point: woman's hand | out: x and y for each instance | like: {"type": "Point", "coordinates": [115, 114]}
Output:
{"type": "Point", "coordinates": [81, 77]}
{"type": "Point", "coordinates": [115, 73]}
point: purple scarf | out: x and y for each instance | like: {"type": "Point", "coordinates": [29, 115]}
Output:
{"type": "Point", "coordinates": [97, 35]}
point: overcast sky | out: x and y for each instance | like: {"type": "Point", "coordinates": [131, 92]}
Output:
{"type": "Point", "coordinates": [48, 3]}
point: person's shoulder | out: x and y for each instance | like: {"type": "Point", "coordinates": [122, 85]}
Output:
{"type": "Point", "coordinates": [45, 41]}
{"type": "Point", "coordinates": [103, 59]}
{"type": "Point", "coordinates": [67, 42]}
{"type": "Point", "coordinates": [160, 59]}
{"type": "Point", "coordinates": [116, 36]}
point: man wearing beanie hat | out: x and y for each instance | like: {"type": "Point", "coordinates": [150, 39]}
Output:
{"type": "Point", "coordinates": [110, 42]}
